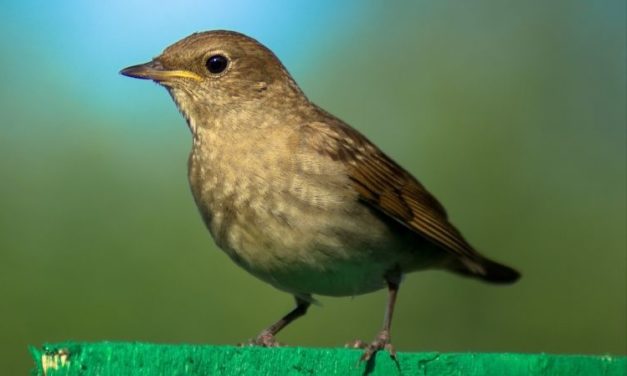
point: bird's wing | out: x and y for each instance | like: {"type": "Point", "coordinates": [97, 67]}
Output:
{"type": "Point", "coordinates": [386, 186]}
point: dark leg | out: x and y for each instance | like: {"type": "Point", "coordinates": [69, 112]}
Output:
{"type": "Point", "coordinates": [382, 341]}
{"type": "Point", "coordinates": [266, 337]}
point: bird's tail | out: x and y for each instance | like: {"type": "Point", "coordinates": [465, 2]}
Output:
{"type": "Point", "coordinates": [486, 270]}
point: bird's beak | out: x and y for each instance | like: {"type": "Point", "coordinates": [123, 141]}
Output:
{"type": "Point", "coordinates": [155, 71]}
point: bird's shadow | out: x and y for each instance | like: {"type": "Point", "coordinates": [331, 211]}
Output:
{"type": "Point", "coordinates": [371, 363]}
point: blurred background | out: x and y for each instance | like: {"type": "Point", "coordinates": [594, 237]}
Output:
{"type": "Point", "coordinates": [512, 113]}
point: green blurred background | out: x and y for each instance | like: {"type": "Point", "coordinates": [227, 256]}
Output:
{"type": "Point", "coordinates": [512, 113]}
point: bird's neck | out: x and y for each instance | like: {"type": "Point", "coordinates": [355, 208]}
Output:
{"type": "Point", "coordinates": [246, 116]}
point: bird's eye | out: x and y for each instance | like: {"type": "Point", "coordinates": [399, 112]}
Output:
{"type": "Point", "coordinates": [217, 64]}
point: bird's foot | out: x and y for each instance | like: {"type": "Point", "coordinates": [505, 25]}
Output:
{"type": "Point", "coordinates": [264, 339]}
{"type": "Point", "coordinates": [381, 342]}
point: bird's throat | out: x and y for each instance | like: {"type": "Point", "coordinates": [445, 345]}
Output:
{"type": "Point", "coordinates": [186, 104]}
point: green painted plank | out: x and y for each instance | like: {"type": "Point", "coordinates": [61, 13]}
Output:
{"type": "Point", "coordinates": [119, 359]}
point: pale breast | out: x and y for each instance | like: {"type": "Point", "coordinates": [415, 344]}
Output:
{"type": "Point", "coordinates": [289, 217]}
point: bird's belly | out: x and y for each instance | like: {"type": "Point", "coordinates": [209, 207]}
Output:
{"type": "Point", "coordinates": [344, 254]}
{"type": "Point", "coordinates": [340, 251]}
{"type": "Point", "coordinates": [336, 261]}
{"type": "Point", "coordinates": [303, 235]}
{"type": "Point", "coordinates": [344, 278]}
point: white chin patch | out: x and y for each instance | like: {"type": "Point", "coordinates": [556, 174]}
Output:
{"type": "Point", "coordinates": [183, 101]}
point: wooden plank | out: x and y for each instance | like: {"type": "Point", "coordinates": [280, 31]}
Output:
{"type": "Point", "coordinates": [119, 359]}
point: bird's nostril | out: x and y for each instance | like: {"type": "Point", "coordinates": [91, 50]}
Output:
{"type": "Point", "coordinates": [157, 64]}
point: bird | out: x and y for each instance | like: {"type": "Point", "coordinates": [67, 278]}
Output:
{"type": "Point", "coordinates": [296, 196]}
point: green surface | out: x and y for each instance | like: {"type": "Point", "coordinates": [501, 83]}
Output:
{"type": "Point", "coordinates": [110, 358]}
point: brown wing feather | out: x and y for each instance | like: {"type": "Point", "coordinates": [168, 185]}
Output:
{"type": "Point", "coordinates": [386, 186]}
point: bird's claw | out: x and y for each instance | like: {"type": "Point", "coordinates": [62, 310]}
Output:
{"type": "Point", "coordinates": [382, 342]}
{"type": "Point", "coordinates": [264, 339]}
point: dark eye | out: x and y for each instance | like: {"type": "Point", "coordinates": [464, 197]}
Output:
{"type": "Point", "coordinates": [217, 64]}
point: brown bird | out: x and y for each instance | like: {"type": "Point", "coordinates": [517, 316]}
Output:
{"type": "Point", "coordinates": [293, 194]}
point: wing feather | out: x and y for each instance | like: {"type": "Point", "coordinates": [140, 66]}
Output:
{"type": "Point", "coordinates": [386, 186]}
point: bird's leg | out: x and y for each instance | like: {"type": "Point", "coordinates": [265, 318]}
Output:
{"type": "Point", "coordinates": [266, 337]}
{"type": "Point", "coordinates": [382, 340]}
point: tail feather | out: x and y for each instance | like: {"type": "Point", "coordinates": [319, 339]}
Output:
{"type": "Point", "coordinates": [487, 270]}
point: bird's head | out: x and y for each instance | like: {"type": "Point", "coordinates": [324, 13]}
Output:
{"type": "Point", "coordinates": [218, 71]}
